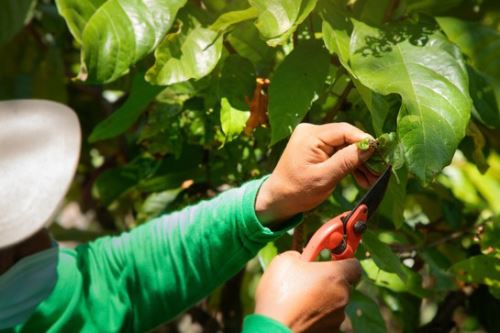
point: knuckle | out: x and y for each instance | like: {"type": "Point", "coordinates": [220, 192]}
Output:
{"type": "Point", "coordinates": [303, 127]}
{"type": "Point", "coordinates": [344, 126]}
{"type": "Point", "coordinates": [347, 164]}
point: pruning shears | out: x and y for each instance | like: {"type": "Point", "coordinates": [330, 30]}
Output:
{"type": "Point", "coordinates": [342, 234]}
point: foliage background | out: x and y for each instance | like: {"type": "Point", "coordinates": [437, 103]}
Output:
{"type": "Point", "coordinates": [173, 100]}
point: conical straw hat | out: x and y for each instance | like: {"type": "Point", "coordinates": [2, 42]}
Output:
{"type": "Point", "coordinates": [39, 150]}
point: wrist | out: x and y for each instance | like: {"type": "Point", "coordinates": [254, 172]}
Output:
{"type": "Point", "coordinates": [268, 209]}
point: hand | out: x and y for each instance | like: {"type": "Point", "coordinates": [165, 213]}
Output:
{"type": "Point", "coordinates": [306, 296]}
{"type": "Point", "coordinates": [316, 158]}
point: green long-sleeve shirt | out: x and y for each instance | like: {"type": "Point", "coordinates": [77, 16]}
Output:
{"type": "Point", "coordinates": [140, 279]}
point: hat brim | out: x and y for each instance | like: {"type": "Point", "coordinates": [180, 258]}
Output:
{"type": "Point", "coordinates": [39, 152]}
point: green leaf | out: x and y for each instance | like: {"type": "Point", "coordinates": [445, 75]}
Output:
{"type": "Point", "coordinates": [393, 281]}
{"type": "Point", "coordinates": [382, 278]}
{"type": "Point", "coordinates": [337, 29]}
{"type": "Point", "coordinates": [228, 19]}
{"type": "Point", "coordinates": [141, 95]}
{"type": "Point", "coordinates": [380, 106]}
{"type": "Point", "coordinates": [388, 151]}
{"type": "Point", "coordinates": [232, 120]}
{"type": "Point", "coordinates": [486, 108]}
{"type": "Point", "coordinates": [480, 269]}
{"type": "Point", "coordinates": [278, 19]}
{"type": "Point", "coordinates": [237, 81]}
{"type": "Point", "coordinates": [364, 313]}
{"type": "Point", "coordinates": [486, 186]}
{"type": "Point", "coordinates": [382, 255]}
{"type": "Point", "coordinates": [393, 204]}
{"type": "Point", "coordinates": [77, 14]}
{"type": "Point", "coordinates": [295, 86]}
{"type": "Point", "coordinates": [156, 203]}
{"type": "Point", "coordinates": [478, 143]}
{"type": "Point", "coordinates": [245, 39]}
{"type": "Point", "coordinates": [417, 62]}
{"type": "Point", "coordinates": [431, 7]}
{"type": "Point", "coordinates": [179, 59]}
{"type": "Point", "coordinates": [481, 44]}
{"type": "Point", "coordinates": [112, 183]}
{"type": "Point", "coordinates": [115, 34]}
{"type": "Point", "coordinates": [14, 15]}
{"type": "Point", "coordinates": [267, 254]}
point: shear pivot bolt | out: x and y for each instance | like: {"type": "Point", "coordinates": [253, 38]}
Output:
{"type": "Point", "coordinates": [340, 248]}
{"type": "Point", "coordinates": [359, 227]}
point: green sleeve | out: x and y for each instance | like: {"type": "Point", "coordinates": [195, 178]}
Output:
{"type": "Point", "coordinates": [171, 262]}
{"type": "Point", "coordinates": [261, 324]}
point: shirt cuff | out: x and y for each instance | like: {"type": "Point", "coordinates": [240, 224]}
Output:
{"type": "Point", "coordinates": [256, 323]}
{"type": "Point", "coordinates": [255, 231]}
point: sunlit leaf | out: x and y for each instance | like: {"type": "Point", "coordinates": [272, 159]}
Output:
{"type": "Point", "coordinates": [115, 34]}
{"type": "Point", "coordinates": [393, 281]}
{"type": "Point", "coordinates": [279, 19]}
{"type": "Point", "coordinates": [267, 254]}
{"type": "Point", "coordinates": [295, 86]}
{"type": "Point", "coordinates": [180, 58]}
{"type": "Point", "coordinates": [232, 120]}
{"type": "Point", "coordinates": [230, 18]}
{"type": "Point", "coordinates": [416, 61]}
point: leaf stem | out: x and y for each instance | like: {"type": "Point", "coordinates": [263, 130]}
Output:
{"type": "Point", "coordinates": [393, 5]}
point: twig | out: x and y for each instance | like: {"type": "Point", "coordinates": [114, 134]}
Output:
{"type": "Point", "coordinates": [298, 238]}
{"type": "Point", "coordinates": [340, 103]}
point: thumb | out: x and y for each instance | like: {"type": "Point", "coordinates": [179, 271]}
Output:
{"type": "Point", "coordinates": [346, 269]}
{"type": "Point", "coordinates": [346, 160]}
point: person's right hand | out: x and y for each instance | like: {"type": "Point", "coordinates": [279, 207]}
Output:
{"type": "Point", "coordinates": [306, 296]}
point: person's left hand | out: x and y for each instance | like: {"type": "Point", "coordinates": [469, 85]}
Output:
{"type": "Point", "coordinates": [316, 158]}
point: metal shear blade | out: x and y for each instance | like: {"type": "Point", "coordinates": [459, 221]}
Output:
{"type": "Point", "coordinates": [374, 196]}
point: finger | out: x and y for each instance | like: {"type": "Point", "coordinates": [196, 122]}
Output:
{"type": "Point", "coordinates": [345, 161]}
{"type": "Point", "coordinates": [337, 134]}
{"type": "Point", "coordinates": [361, 178]}
{"type": "Point", "coordinates": [370, 176]}
{"type": "Point", "coordinates": [290, 254]}
{"type": "Point", "coordinates": [347, 269]}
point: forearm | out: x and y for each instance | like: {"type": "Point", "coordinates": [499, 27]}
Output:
{"type": "Point", "coordinates": [180, 258]}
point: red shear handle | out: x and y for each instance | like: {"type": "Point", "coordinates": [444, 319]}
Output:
{"type": "Point", "coordinates": [331, 234]}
